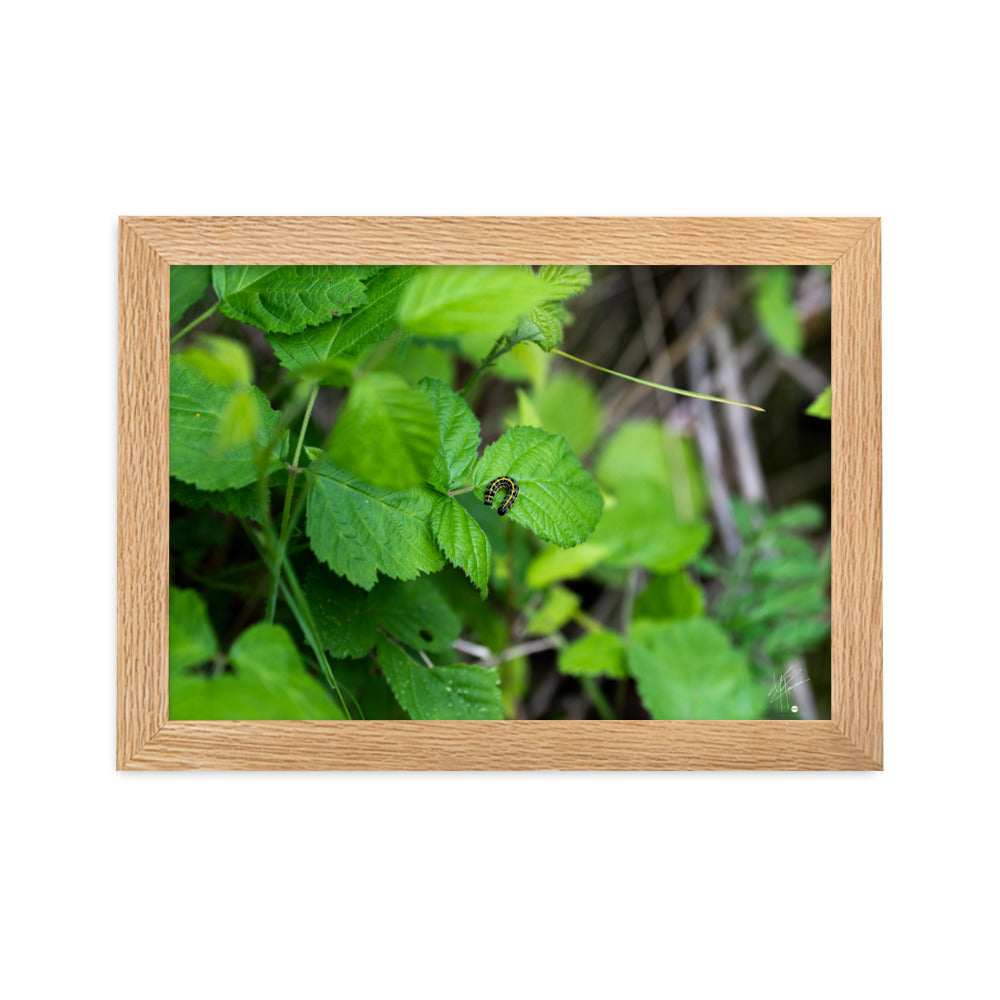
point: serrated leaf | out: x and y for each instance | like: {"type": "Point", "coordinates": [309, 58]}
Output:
{"type": "Point", "coordinates": [597, 654]}
{"type": "Point", "coordinates": [386, 434]}
{"type": "Point", "coordinates": [457, 436]}
{"type": "Point", "coordinates": [565, 280]}
{"type": "Point", "coordinates": [200, 415]}
{"type": "Point", "coordinates": [821, 406]}
{"type": "Point", "coordinates": [543, 325]}
{"type": "Point", "coordinates": [689, 670]}
{"type": "Point", "coordinates": [245, 502]}
{"type": "Point", "coordinates": [460, 692]}
{"type": "Point", "coordinates": [287, 299]}
{"type": "Point", "coordinates": [558, 607]}
{"type": "Point", "coordinates": [558, 500]}
{"type": "Point", "coordinates": [349, 619]}
{"type": "Point", "coordinates": [371, 323]}
{"type": "Point", "coordinates": [463, 542]}
{"type": "Point", "coordinates": [360, 530]}
{"type": "Point", "coordinates": [269, 682]}
{"type": "Point", "coordinates": [473, 299]}
{"type": "Point", "coordinates": [776, 310]}
{"type": "Point", "coordinates": [188, 283]}
{"type": "Point", "coordinates": [192, 639]}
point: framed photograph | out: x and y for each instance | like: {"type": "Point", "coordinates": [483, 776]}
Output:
{"type": "Point", "coordinates": [499, 493]}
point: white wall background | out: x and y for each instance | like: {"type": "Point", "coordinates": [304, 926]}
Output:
{"type": "Point", "coordinates": [498, 885]}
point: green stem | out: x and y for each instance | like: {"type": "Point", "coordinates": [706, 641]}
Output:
{"type": "Point", "coordinates": [272, 599]}
{"type": "Point", "coordinates": [594, 694]}
{"type": "Point", "coordinates": [656, 385]}
{"type": "Point", "coordinates": [208, 312]}
{"type": "Point", "coordinates": [500, 348]}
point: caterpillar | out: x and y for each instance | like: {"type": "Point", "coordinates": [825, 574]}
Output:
{"type": "Point", "coordinates": [506, 483]}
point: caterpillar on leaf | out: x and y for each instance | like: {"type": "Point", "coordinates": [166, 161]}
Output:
{"type": "Point", "coordinates": [505, 483]}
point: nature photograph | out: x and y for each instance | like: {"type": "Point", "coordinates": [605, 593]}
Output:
{"type": "Point", "coordinates": [540, 492]}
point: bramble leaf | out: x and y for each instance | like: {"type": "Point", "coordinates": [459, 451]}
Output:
{"type": "Point", "coordinates": [776, 310]}
{"type": "Point", "coordinates": [369, 324]}
{"type": "Point", "coordinates": [270, 682]}
{"type": "Point", "coordinates": [349, 620]}
{"type": "Point", "coordinates": [192, 638]}
{"type": "Point", "coordinates": [565, 280]}
{"type": "Point", "coordinates": [287, 299]}
{"type": "Point", "coordinates": [558, 499]}
{"type": "Point", "coordinates": [386, 434]}
{"type": "Point", "coordinates": [188, 283]}
{"type": "Point", "coordinates": [202, 419]}
{"type": "Point", "coordinates": [462, 541]}
{"type": "Point", "coordinates": [568, 405]}
{"type": "Point", "coordinates": [470, 299]}
{"type": "Point", "coordinates": [360, 530]}
{"type": "Point", "coordinates": [600, 653]}
{"type": "Point", "coordinates": [689, 670]}
{"type": "Point", "coordinates": [460, 692]}
{"type": "Point", "coordinates": [457, 434]}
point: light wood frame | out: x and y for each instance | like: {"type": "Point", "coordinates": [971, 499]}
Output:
{"type": "Point", "coordinates": [147, 740]}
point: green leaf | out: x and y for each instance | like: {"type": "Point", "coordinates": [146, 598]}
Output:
{"type": "Point", "coordinates": [371, 323]}
{"type": "Point", "coordinates": [776, 310]}
{"type": "Point", "coordinates": [460, 692]}
{"type": "Point", "coordinates": [386, 433]}
{"type": "Point", "coordinates": [669, 598]}
{"type": "Point", "coordinates": [644, 449]}
{"type": "Point", "coordinates": [360, 530]}
{"type": "Point", "coordinates": [543, 325]}
{"type": "Point", "coordinates": [568, 405]}
{"type": "Point", "coordinates": [565, 280]}
{"type": "Point", "coordinates": [269, 682]}
{"type": "Point", "coordinates": [202, 418]}
{"type": "Point", "coordinates": [821, 406]}
{"type": "Point", "coordinates": [479, 299]}
{"type": "Point", "coordinates": [463, 542]}
{"type": "Point", "coordinates": [244, 502]}
{"type": "Point", "coordinates": [192, 638]}
{"type": "Point", "coordinates": [188, 283]}
{"type": "Point", "coordinates": [457, 436]}
{"type": "Point", "coordinates": [600, 653]}
{"type": "Point", "coordinates": [688, 670]}
{"type": "Point", "coordinates": [287, 299]}
{"type": "Point", "coordinates": [639, 529]}
{"type": "Point", "coordinates": [225, 361]}
{"type": "Point", "coordinates": [349, 619]}
{"type": "Point", "coordinates": [559, 606]}
{"type": "Point", "coordinates": [558, 499]}
{"type": "Point", "coordinates": [553, 564]}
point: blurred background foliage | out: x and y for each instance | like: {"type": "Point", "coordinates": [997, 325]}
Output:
{"type": "Point", "coordinates": [703, 591]}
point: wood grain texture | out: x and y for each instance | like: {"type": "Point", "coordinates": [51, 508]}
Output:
{"type": "Point", "coordinates": [387, 240]}
{"type": "Point", "coordinates": [147, 741]}
{"type": "Point", "coordinates": [143, 491]}
{"type": "Point", "coordinates": [856, 586]}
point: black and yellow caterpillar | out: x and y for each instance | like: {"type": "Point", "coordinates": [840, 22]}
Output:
{"type": "Point", "coordinates": [506, 483]}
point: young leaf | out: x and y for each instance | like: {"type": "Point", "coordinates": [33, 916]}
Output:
{"type": "Point", "coordinates": [558, 499]}
{"type": "Point", "coordinates": [565, 280]}
{"type": "Point", "coordinates": [345, 337]}
{"type": "Point", "coordinates": [543, 325]}
{"type": "Point", "coordinates": [270, 682]}
{"type": "Point", "coordinates": [688, 670]}
{"type": "Point", "coordinates": [188, 283]}
{"type": "Point", "coordinates": [457, 436]}
{"type": "Point", "coordinates": [192, 638]}
{"type": "Point", "coordinates": [201, 418]}
{"type": "Point", "coordinates": [360, 530]}
{"type": "Point", "coordinates": [460, 692]}
{"type": "Point", "coordinates": [479, 299]}
{"type": "Point", "coordinates": [463, 542]}
{"type": "Point", "coordinates": [568, 405]}
{"type": "Point", "coordinates": [776, 310]}
{"type": "Point", "coordinates": [386, 433]}
{"type": "Point", "coordinates": [350, 620]}
{"type": "Point", "coordinates": [287, 299]}
{"type": "Point", "coordinates": [600, 653]}
{"type": "Point", "coordinates": [821, 406]}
